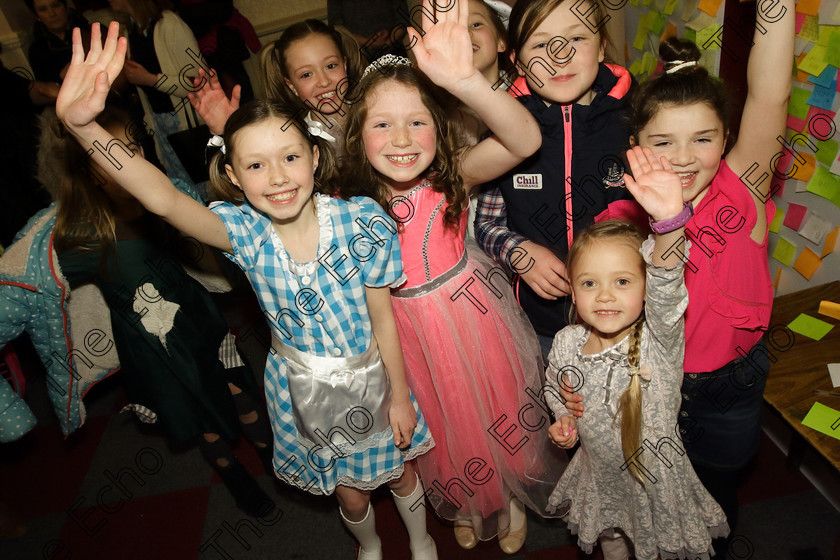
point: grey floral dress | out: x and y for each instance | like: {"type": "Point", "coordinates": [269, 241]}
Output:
{"type": "Point", "coordinates": [671, 515]}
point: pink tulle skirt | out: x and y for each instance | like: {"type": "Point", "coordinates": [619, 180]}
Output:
{"type": "Point", "coordinates": [474, 364]}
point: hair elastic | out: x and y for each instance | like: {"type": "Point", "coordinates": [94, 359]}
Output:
{"type": "Point", "coordinates": [216, 141]}
{"type": "Point", "coordinates": [384, 61]}
{"type": "Point", "coordinates": [317, 128]}
{"type": "Point", "coordinates": [679, 65]}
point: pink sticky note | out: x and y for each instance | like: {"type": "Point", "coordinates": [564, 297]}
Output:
{"type": "Point", "coordinates": [795, 123]}
{"type": "Point", "coordinates": [800, 19]}
{"type": "Point", "coordinates": [794, 215]}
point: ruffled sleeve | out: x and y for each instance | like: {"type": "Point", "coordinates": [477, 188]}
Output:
{"type": "Point", "coordinates": [377, 246]}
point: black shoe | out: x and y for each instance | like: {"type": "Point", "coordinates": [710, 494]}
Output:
{"type": "Point", "coordinates": [249, 497]}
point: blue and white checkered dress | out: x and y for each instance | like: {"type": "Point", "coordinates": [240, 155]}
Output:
{"type": "Point", "coordinates": [320, 308]}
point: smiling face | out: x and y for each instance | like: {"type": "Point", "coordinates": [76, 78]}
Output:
{"type": "Point", "coordinates": [562, 57]}
{"type": "Point", "coordinates": [274, 168]}
{"type": "Point", "coordinates": [399, 134]}
{"type": "Point", "coordinates": [608, 287]}
{"type": "Point", "coordinates": [486, 42]}
{"type": "Point", "coordinates": [693, 139]}
{"type": "Point", "coordinates": [53, 14]}
{"type": "Point", "coordinates": [315, 68]}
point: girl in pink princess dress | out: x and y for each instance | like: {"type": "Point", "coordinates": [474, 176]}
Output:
{"type": "Point", "coordinates": [472, 358]}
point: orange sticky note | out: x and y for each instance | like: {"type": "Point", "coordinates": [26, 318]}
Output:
{"type": "Point", "coordinates": [807, 263]}
{"type": "Point", "coordinates": [709, 6]}
{"type": "Point", "coordinates": [801, 75]}
{"type": "Point", "coordinates": [830, 308]}
{"type": "Point", "coordinates": [671, 31]}
{"type": "Point", "coordinates": [804, 172]}
{"type": "Point", "coordinates": [809, 7]}
{"type": "Point", "coordinates": [830, 242]}
{"type": "Point", "coordinates": [776, 281]}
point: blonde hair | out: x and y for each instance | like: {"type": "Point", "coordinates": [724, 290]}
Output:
{"type": "Point", "coordinates": [630, 403]}
{"type": "Point", "coordinates": [275, 66]}
{"type": "Point", "coordinates": [257, 111]}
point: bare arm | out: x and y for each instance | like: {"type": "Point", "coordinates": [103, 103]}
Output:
{"type": "Point", "coordinates": [444, 54]}
{"type": "Point", "coordinates": [82, 98]}
{"type": "Point", "coordinates": [402, 415]}
{"type": "Point", "coordinates": [763, 120]}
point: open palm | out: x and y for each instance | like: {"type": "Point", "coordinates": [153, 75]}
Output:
{"type": "Point", "coordinates": [85, 87]}
{"type": "Point", "coordinates": [654, 185]}
{"type": "Point", "coordinates": [444, 51]}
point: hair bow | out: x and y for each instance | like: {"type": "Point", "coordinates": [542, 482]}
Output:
{"type": "Point", "coordinates": [317, 128]}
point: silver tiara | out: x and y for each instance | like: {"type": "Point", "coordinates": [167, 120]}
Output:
{"type": "Point", "coordinates": [385, 61]}
{"type": "Point", "coordinates": [501, 9]}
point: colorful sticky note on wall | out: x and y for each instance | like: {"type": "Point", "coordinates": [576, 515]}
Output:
{"type": "Point", "coordinates": [829, 309]}
{"type": "Point", "coordinates": [825, 184]}
{"type": "Point", "coordinates": [810, 326]}
{"type": "Point", "coordinates": [830, 242]}
{"type": "Point", "coordinates": [815, 229]}
{"type": "Point", "coordinates": [810, 30]}
{"type": "Point", "coordinates": [777, 220]}
{"type": "Point", "coordinates": [794, 216]}
{"type": "Point", "coordinates": [807, 263]}
{"type": "Point", "coordinates": [832, 53]}
{"type": "Point", "coordinates": [823, 97]}
{"type": "Point", "coordinates": [804, 171]}
{"type": "Point", "coordinates": [709, 6]}
{"type": "Point", "coordinates": [670, 6]}
{"type": "Point", "coordinates": [798, 105]}
{"type": "Point", "coordinates": [825, 78]}
{"type": "Point", "coordinates": [824, 419]}
{"type": "Point", "coordinates": [814, 62]}
{"type": "Point", "coordinates": [810, 7]}
{"type": "Point", "coordinates": [776, 280]}
{"type": "Point", "coordinates": [827, 151]}
{"type": "Point", "coordinates": [784, 252]}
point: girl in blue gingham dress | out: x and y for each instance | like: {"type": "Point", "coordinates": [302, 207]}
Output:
{"type": "Point", "coordinates": [344, 420]}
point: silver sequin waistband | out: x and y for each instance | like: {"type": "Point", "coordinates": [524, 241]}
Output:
{"type": "Point", "coordinates": [428, 287]}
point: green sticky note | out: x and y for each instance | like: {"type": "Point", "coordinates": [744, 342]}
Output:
{"type": "Point", "coordinates": [670, 7]}
{"type": "Point", "coordinates": [824, 419]}
{"type": "Point", "coordinates": [636, 68]}
{"type": "Point", "coordinates": [832, 53]}
{"type": "Point", "coordinates": [691, 35]}
{"type": "Point", "coordinates": [825, 184]}
{"type": "Point", "coordinates": [827, 151]}
{"type": "Point", "coordinates": [814, 62]}
{"type": "Point", "coordinates": [634, 2]}
{"type": "Point", "coordinates": [648, 63]}
{"type": "Point", "coordinates": [705, 35]}
{"type": "Point", "coordinates": [784, 252]}
{"type": "Point", "coordinates": [825, 34]}
{"type": "Point", "coordinates": [798, 106]}
{"type": "Point", "coordinates": [639, 41]}
{"type": "Point", "coordinates": [777, 220]}
{"type": "Point", "coordinates": [646, 2]}
{"type": "Point", "coordinates": [810, 326]}
{"type": "Point", "coordinates": [657, 25]}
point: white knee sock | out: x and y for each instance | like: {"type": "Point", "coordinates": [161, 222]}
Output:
{"type": "Point", "coordinates": [365, 533]}
{"type": "Point", "coordinates": [422, 545]}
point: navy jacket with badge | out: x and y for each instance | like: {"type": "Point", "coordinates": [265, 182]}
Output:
{"type": "Point", "coordinates": [571, 179]}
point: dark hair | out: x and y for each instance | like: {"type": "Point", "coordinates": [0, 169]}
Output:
{"type": "Point", "coordinates": [257, 111]}
{"type": "Point", "coordinates": [525, 17]}
{"type": "Point", "coordinates": [685, 86]}
{"type": "Point", "coordinates": [506, 66]}
{"type": "Point", "coordinates": [31, 4]}
{"type": "Point", "coordinates": [86, 213]}
{"type": "Point", "coordinates": [275, 66]}
{"type": "Point", "coordinates": [364, 180]}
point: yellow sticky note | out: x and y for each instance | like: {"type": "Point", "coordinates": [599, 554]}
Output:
{"type": "Point", "coordinates": [639, 41]}
{"type": "Point", "coordinates": [777, 220]}
{"type": "Point", "coordinates": [830, 242]}
{"type": "Point", "coordinates": [807, 263]}
{"type": "Point", "coordinates": [709, 6]}
{"type": "Point", "coordinates": [824, 419]}
{"type": "Point", "coordinates": [804, 172]}
{"type": "Point", "coordinates": [670, 6]}
{"type": "Point", "coordinates": [810, 326]}
{"type": "Point", "coordinates": [826, 31]}
{"type": "Point", "coordinates": [814, 62]}
{"type": "Point", "coordinates": [810, 30]}
{"type": "Point", "coordinates": [830, 309]}
{"type": "Point", "coordinates": [709, 37]}
{"type": "Point", "coordinates": [784, 252]}
{"type": "Point", "coordinates": [809, 7]}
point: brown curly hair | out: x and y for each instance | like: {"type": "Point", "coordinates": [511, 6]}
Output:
{"type": "Point", "coordinates": [444, 171]}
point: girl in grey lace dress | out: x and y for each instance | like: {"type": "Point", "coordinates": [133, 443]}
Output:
{"type": "Point", "coordinates": [630, 485]}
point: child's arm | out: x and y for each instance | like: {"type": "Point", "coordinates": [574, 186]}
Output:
{"type": "Point", "coordinates": [444, 54]}
{"type": "Point", "coordinates": [659, 191]}
{"type": "Point", "coordinates": [763, 120]}
{"type": "Point", "coordinates": [211, 103]}
{"type": "Point", "coordinates": [402, 415]}
{"type": "Point", "coordinates": [82, 98]}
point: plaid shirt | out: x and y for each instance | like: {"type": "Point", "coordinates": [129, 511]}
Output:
{"type": "Point", "coordinates": [491, 229]}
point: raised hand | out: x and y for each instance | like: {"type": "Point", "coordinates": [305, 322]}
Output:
{"type": "Point", "coordinates": [211, 102]}
{"type": "Point", "coordinates": [654, 185]}
{"type": "Point", "coordinates": [444, 51]}
{"type": "Point", "coordinates": [88, 79]}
